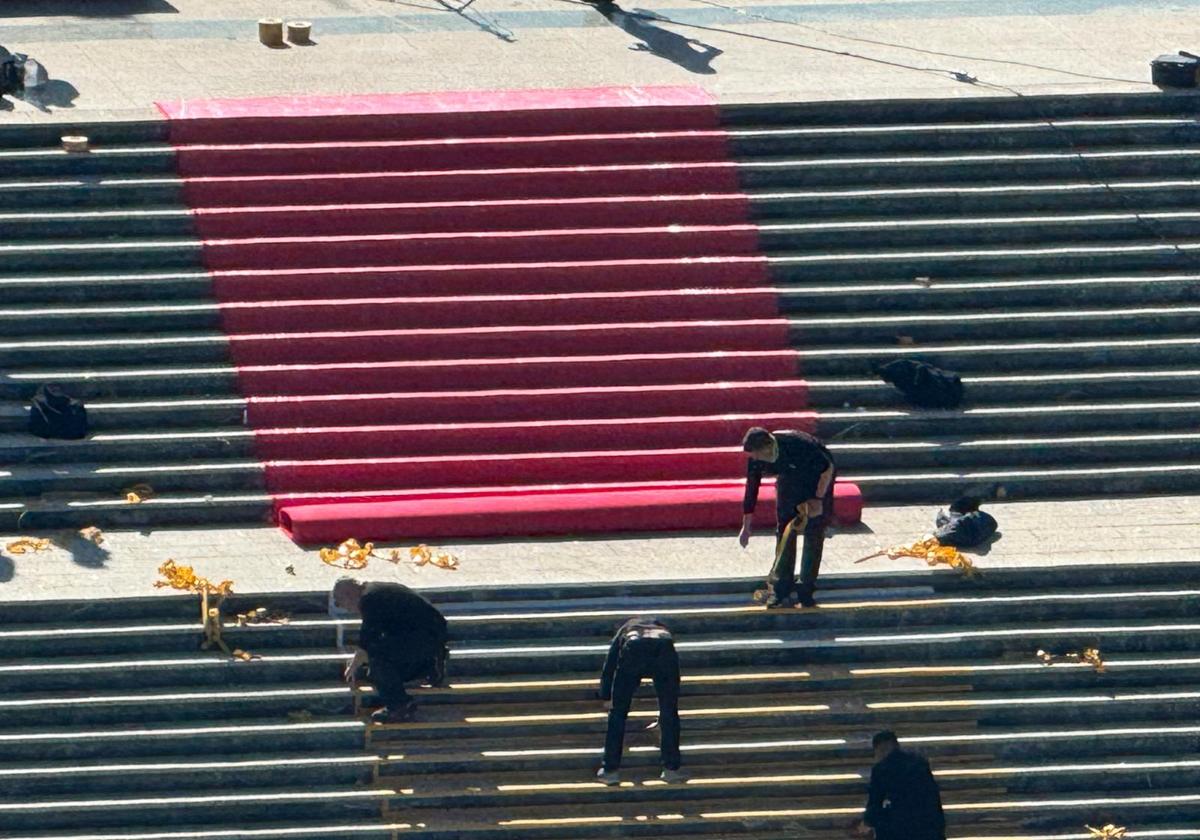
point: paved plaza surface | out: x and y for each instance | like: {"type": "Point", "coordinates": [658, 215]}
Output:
{"type": "Point", "coordinates": [113, 59]}
{"type": "Point", "coordinates": [1032, 534]}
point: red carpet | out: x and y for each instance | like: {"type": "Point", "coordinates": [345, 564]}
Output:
{"type": "Point", "coordinates": [490, 314]}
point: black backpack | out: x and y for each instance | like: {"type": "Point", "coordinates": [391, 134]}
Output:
{"type": "Point", "coordinates": [924, 385]}
{"type": "Point", "coordinates": [55, 414]}
{"type": "Point", "coordinates": [12, 79]}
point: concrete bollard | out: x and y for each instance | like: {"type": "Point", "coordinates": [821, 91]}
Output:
{"type": "Point", "coordinates": [75, 143]}
{"type": "Point", "coordinates": [270, 32]}
{"type": "Point", "coordinates": [299, 31]}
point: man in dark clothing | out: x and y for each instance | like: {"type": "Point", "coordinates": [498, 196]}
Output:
{"type": "Point", "coordinates": [643, 647]}
{"type": "Point", "coordinates": [903, 802]}
{"type": "Point", "coordinates": [805, 474]}
{"type": "Point", "coordinates": [402, 637]}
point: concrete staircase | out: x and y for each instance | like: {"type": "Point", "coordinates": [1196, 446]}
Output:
{"type": "Point", "coordinates": [1046, 248]}
{"type": "Point", "coordinates": [113, 724]}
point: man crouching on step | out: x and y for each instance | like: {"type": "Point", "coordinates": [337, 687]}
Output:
{"type": "Point", "coordinates": [643, 647]}
{"type": "Point", "coordinates": [403, 637]}
{"type": "Point", "coordinates": [805, 473]}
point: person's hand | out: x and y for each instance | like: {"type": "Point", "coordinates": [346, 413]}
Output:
{"type": "Point", "coordinates": [815, 507]}
{"type": "Point", "coordinates": [350, 674]}
{"type": "Point", "coordinates": [744, 536]}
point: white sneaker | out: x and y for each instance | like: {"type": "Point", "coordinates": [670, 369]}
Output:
{"type": "Point", "coordinates": [673, 777]}
{"type": "Point", "coordinates": [609, 778]}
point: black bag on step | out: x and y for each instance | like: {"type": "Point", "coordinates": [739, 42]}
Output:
{"type": "Point", "coordinates": [924, 385]}
{"type": "Point", "coordinates": [55, 414]}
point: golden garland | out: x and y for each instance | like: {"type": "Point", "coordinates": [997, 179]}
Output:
{"type": "Point", "coordinates": [932, 552]}
{"type": "Point", "coordinates": [138, 493]}
{"type": "Point", "coordinates": [348, 555]}
{"type": "Point", "coordinates": [25, 545]}
{"type": "Point", "coordinates": [353, 555]}
{"type": "Point", "coordinates": [1089, 655]}
{"type": "Point", "coordinates": [185, 579]}
{"type": "Point", "coordinates": [1107, 832]}
{"type": "Point", "coordinates": [422, 555]}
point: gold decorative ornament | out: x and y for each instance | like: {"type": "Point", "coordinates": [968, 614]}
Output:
{"type": "Point", "coordinates": [349, 555]}
{"type": "Point", "coordinates": [932, 552]}
{"type": "Point", "coordinates": [185, 579]}
{"type": "Point", "coordinates": [25, 545]}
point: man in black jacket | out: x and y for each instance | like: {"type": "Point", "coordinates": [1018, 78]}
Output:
{"type": "Point", "coordinates": [805, 474]}
{"type": "Point", "coordinates": [643, 647]}
{"type": "Point", "coordinates": [904, 802]}
{"type": "Point", "coordinates": [402, 637]}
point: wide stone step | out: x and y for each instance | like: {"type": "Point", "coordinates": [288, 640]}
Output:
{"type": "Point", "coordinates": [215, 425]}
{"type": "Point", "coordinates": [148, 287]}
{"type": "Point", "coordinates": [996, 356]}
{"type": "Point", "coordinates": [219, 739]}
{"type": "Point", "coordinates": [1113, 227]}
{"type": "Point", "coordinates": [100, 160]}
{"type": "Point", "coordinates": [966, 200]}
{"type": "Point", "coordinates": [819, 238]}
{"type": "Point", "coordinates": [465, 792]}
{"type": "Point", "coordinates": [930, 294]}
{"type": "Point", "coordinates": [718, 817]}
{"type": "Point", "coordinates": [844, 609]}
{"type": "Point", "coordinates": [1055, 259]}
{"type": "Point", "coordinates": [34, 459]}
{"type": "Point", "coordinates": [152, 217]}
{"type": "Point", "coordinates": [1125, 162]}
{"type": "Point", "coordinates": [195, 808]}
{"type": "Point", "coordinates": [840, 305]}
{"type": "Point", "coordinates": [821, 747]}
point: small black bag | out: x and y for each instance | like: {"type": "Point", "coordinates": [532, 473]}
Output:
{"type": "Point", "coordinates": [12, 80]}
{"type": "Point", "coordinates": [965, 526]}
{"type": "Point", "coordinates": [55, 414]}
{"type": "Point", "coordinates": [924, 385]}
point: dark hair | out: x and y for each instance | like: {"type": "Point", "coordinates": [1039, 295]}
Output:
{"type": "Point", "coordinates": [964, 504]}
{"type": "Point", "coordinates": [887, 736]}
{"type": "Point", "coordinates": [756, 438]}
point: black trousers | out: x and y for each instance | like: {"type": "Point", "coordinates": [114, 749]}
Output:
{"type": "Point", "coordinates": [390, 673]}
{"type": "Point", "coordinates": [783, 574]}
{"type": "Point", "coordinates": [640, 658]}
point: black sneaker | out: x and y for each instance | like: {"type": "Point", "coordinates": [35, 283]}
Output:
{"type": "Point", "coordinates": [775, 603]}
{"type": "Point", "coordinates": [807, 601]}
{"type": "Point", "coordinates": [437, 677]}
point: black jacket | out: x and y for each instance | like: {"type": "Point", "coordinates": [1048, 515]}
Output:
{"type": "Point", "coordinates": [397, 623]}
{"type": "Point", "coordinates": [904, 802]}
{"type": "Point", "coordinates": [635, 628]}
{"type": "Point", "coordinates": [964, 530]}
{"type": "Point", "coordinates": [802, 459]}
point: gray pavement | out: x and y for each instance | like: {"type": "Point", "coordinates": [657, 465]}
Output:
{"type": "Point", "coordinates": [119, 58]}
{"type": "Point", "coordinates": [1033, 534]}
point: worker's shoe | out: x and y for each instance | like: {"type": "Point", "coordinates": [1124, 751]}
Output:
{"type": "Point", "coordinates": [774, 602]}
{"type": "Point", "coordinates": [437, 677]}
{"type": "Point", "coordinates": [401, 714]}
{"type": "Point", "coordinates": [673, 777]}
{"type": "Point", "coordinates": [807, 601]}
{"type": "Point", "coordinates": [608, 777]}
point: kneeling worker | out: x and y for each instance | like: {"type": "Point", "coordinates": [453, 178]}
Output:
{"type": "Point", "coordinates": [904, 802]}
{"type": "Point", "coordinates": [403, 637]}
{"type": "Point", "coordinates": [805, 473]}
{"type": "Point", "coordinates": [643, 647]}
